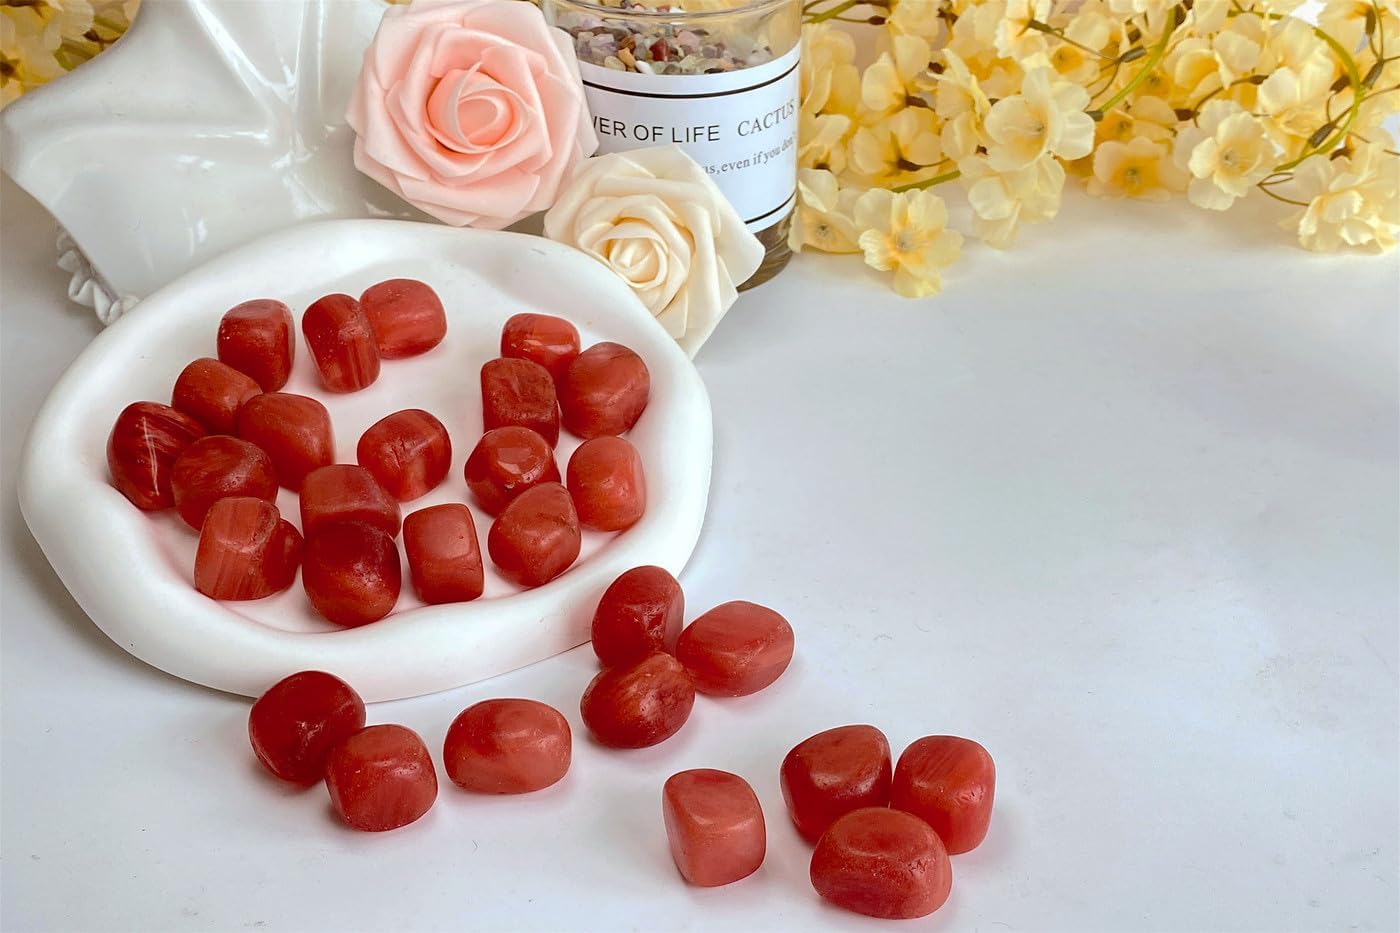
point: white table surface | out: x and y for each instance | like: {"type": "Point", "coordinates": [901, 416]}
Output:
{"type": "Point", "coordinates": [1122, 505]}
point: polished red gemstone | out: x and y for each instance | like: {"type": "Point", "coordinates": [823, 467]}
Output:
{"type": "Point", "coordinates": [640, 614]}
{"type": "Point", "coordinates": [541, 338]}
{"type": "Point", "coordinates": [519, 392]}
{"type": "Point", "coordinates": [142, 448]}
{"type": "Point", "coordinates": [294, 725]}
{"type": "Point", "coordinates": [736, 649]}
{"type": "Point", "coordinates": [949, 783]}
{"type": "Point", "coordinates": [832, 773]}
{"type": "Point", "coordinates": [213, 468]}
{"type": "Point", "coordinates": [341, 343]}
{"type": "Point", "coordinates": [293, 429]}
{"type": "Point", "coordinates": [537, 537]}
{"type": "Point", "coordinates": [408, 452]}
{"type": "Point", "coordinates": [343, 492]}
{"type": "Point", "coordinates": [604, 390]}
{"type": "Point", "coordinates": [351, 573]}
{"type": "Point", "coordinates": [246, 550]}
{"type": "Point", "coordinates": [256, 338]}
{"type": "Point", "coordinates": [444, 559]}
{"type": "Point", "coordinates": [605, 478]}
{"type": "Point", "coordinates": [211, 393]}
{"type": "Point", "coordinates": [882, 863]}
{"type": "Point", "coordinates": [507, 746]}
{"type": "Point", "coordinates": [714, 825]}
{"type": "Point", "coordinates": [381, 778]}
{"type": "Point", "coordinates": [406, 316]}
{"type": "Point", "coordinates": [505, 463]}
{"type": "Point", "coordinates": [638, 705]}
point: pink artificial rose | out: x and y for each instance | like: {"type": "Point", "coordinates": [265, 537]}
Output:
{"type": "Point", "coordinates": [471, 110]}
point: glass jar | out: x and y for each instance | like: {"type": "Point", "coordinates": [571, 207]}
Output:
{"type": "Point", "coordinates": [717, 77]}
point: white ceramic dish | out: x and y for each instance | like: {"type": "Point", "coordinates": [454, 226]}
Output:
{"type": "Point", "coordinates": [131, 571]}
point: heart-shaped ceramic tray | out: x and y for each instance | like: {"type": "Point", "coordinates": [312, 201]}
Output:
{"type": "Point", "coordinates": [131, 571]}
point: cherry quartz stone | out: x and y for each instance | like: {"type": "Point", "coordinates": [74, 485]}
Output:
{"type": "Point", "coordinates": [296, 723]}
{"type": "Point", "coordinates": [341, 343]}
{"type": "Point", "coordinates": [948, 782]}
{"type": "Point", "coordinates": [213, 468]}
{"type": "Point", "coordinates": [882, 863]}
{"type": "Point", "coordinates": [246, 550]}
{"type": "Point", "coordinates": [381, 778]}
{"type": "Point", "coordinates": [145, 441]}
{"type": "Point", "coordinates": [736, 649]}
{"type": "Point", "coordinates": [522, 393]}
{"type": "Point", "coordinates": [507, 746]}
{"type": "Point", "coordinates": [351, 573]}
{"type": "Point", "coordinates": [640, 614]}
{"type": "Point", "coordinates": [343, 492]}
{"type": "Point", "coordinates": [832, 773]}
{"type": "Point", "coordinates": [715, 826]}
{"type": "Point", "coordinates": [505, 463]}
{"type": "Point", "coordinates": [294, 430]}
{"type": "Point", "coordinates": [444, 559]}
{"type": "Point", "coordinates": [408, 452]}
{"type": "Point", "coordinates": [406, 316]}
{"type": "Point", "coordinates": [256, 338]}
{"type": "Point", "coordinates": [211, 393]}
{"type": "Point", "coordinates": [537, 537]}
{"type": "Point", "coordinates": [604, 390]}
{"type": "Point", "coordinates": [605, 478]}
{"type": "Point", "coordinates": [541, 338]}
{"type": "Point", "coordinates": [638, 705]}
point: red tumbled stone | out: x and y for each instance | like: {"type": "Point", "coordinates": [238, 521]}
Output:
{"type": "Point", "coordinates": [408, 452]}
{"type": "Point", "coordinates": [343, 492]}
{"type": "Point", "coordinates": [640, 614]}
{"type": "Point", "coordinates": [507, 746]}
{"type": "Point", "coordinates": [736, 649]}
{"type": "Point", "coordinates": [505, 463]}
{"type": "Point", "coordinates": [715, 826]}
{"type": "Point", "coordinates": [142, 448]}
{"type": "Point", "coordinates": [444, 559]}
{"type": "Point", "coordinates": [541, 338]}
{"type": "Point", "coordinates": [341, 343]}
{"type": "Point", "coordinates": [296, 723]}
{"type": "Point", "coordinates": [381, 778]}
{"type": "Point", "coordinates": [605, 478]}
{"type": "Point", "coordinates": [246, 550]}
{"type": "Point", "coordinates": [256, 338]}
{"type": "Point", "coordinates": [519, 392]}
{"type": "Point", "coordinates": [294, 430]}
{"type": "Point", "coordinates": [211, 393]}
{"type": "Point", "coordinates": [949, 783]}
{"type": "Point", "coordinates": [213, 468]}
{"type": "Point", "coordinates": [351, 573]}
{"type": "Point", "coordinates": [882, 863]}
{"type": "Point", "coordinates": [832, 773]}
{"type": "Point", "coordinates": [406, 316]}
{"type": "Point", "coordinates": [537, 537]}
{"type": "Point", "coordinates": [604, 390]}
{"type": "Point", "coordinates": [638, 705]}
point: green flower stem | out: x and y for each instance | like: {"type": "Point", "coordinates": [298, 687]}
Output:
{"type": "Point", "coordinates": [1158, 50]}
{"type": "Point", "coordinates": [1358, 95]}
{"type": "Point", "coordinates": [833, 12]}
{"type": "Point", "coordinates": [929, 182]}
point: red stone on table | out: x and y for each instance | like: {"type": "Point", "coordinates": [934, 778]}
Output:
{"type": "Point", "coordinates": [948, 782]}
{"type": "Point", "coordinates": [832, 773]}
{"type": "Point", "coordinates": [294, 430]}
{"type": "Point", "coordinates": [341, 343]}
{"type": "Point", "coordinates": [351, 573]}
{"type": "Point", "coordinates": [736, 649]}
{"type": "Point", "coordinates": [408, 452]}
{"type": "Point", "coordinates": [444, 558]}
{"type": "Point", "coordinates": [294, 725]}
{"type": "Point", "coordinates": [246, 550]}
{"type": "Point", "coordinates": [381, 778]}
{"type": "Point", "coordinates": [343, 492]}
{"type": "Point", "coordinates": [146, 439]}
{"type": "Point", "coordinates": [211, 392]}
{"type": "Point", "coordinates": [519, 392]}
{"type": "Point", "coordinates": [640, 613]}
{"type": "Point", "coordinates": [541, 338]}
{"type": "Point", "coordinates": [214, 468]}
{"type": "Point", "coordinates": [537, 537]}
{"type": "Point", "coordinates": [638, 705]}
{"type": "Point", "coordinates": [882, 863]}
{"type": "Point", "coordinates": [604, 390]}
{"type": "Point", "coordinates": [406, 316]}
{"type": "Point", "coordinates": [256, 338]}
{"type": "Point", "coordinates": [505, 463]}
{"type": "Point", "coordinates": [715, 826]}
{"type": "Point", "coordinates": [606, 480]}
{"type": "Point", "coordinates": [507, 746]}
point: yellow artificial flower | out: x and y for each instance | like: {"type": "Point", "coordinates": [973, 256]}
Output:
{"type": "Point", "coordinates": [1154, 10]}
{"type": "Point", "coordinates": [907, 233]}
{"type": "Point", "coordinates": [1293, 44]}
{"type": "Point", "coordinates": [824, 214]}
{"type": "Point", "coordinates": [1016, 39]}
{"type": "Point", "coordinates": [1139, 168]}
{"type": "Point", "coordinates": [27, 49]}
{"type": "Point", "coordinates": [1088, 29]}
{"type": "Point", "coordinates": [1002, 201]}
{"type": "Point", "coordinates": [898, 149]}
{"type": "Point", "coordinates": [896, 76]}
{"type": "Point", "coordinates": [1295, 102]}
{"type": "Point", "coordinates": [1345, 20]}
{"type": "Point", "coordinates": [1046, 117]}
{"type": "Point", "coordinates": [1239, 46]}
{"type": "Point", "coordinates": [1352, 200]}
{"type": "Point", "coordinates": [963, 107]}
{"type": "Point", "coordinates": [1147, 116]}
{"type": "Point", "coordinates": [823, 141]}
{"type": "Point", "coordinates": [916, 18]}
{"type": "Point", "coordinates": [1227, 151]}
{"type": "Point", "coordinates": [973, 40]}
{"type": "Point", "coordinates": [829, 78]}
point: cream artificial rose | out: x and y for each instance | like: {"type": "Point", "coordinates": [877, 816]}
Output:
{"type": "Point", "coordinates": [656, 219]}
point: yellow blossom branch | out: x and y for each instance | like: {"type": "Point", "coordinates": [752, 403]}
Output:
{"type": "Point", "coordinates": [1158, 50]}
{"type": "Point", "coordinates": [1358, 95]}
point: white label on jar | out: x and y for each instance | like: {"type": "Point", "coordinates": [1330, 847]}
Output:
{"type": "Point", "coordinates": [741, 126]}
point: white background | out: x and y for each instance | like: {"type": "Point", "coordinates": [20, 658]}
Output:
{"type": "Point", "coordinates": [1122, 505]}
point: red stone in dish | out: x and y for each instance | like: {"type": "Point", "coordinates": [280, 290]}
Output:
{"type": "Point", "coordinates": [604, 390]}
{"type": "Point", "coordinates": [506, 462]}
{"type": "Point", "coordinates": [294, 430]}
{"type": "Point", "coordinates": [444, 559]}
{"type": "Point", "coordinates": [341, 343]}
{"type": "Point", "coordinates": [519, 392]}
{"type": "Point", "coordinates": [406, 316]}
{"type": "Point", "coordinates": [541, 338]}
{"type": "Point", "coordinates": [715, 826]}
{"type": "Point", "coordinates": [343, 492]}
{"type": "Point", "coordinates": [882, 863]}
{"type": "Point", "coordinates": [141, 451]}
{"type": "Point", "coordinates": [507, 746]}
{"type": "Point", "coordinates": [638, 705]}
{"type": "Point", "coordinates": [832, 773]}
{"type": "Point", "coordinates": [381, 778]}
{"type": "Point", "coordinates": [537, 537]}
{"type": "Point", "coordinates": [256, 338]}
{"type": "Point", "coordinates": [294, 725]}
{"type": "Point", "coordinates": [736, 649]}
{"type": "Point", "coordinates": [948, 782]}
{"type": "Point", "coordinates": [351, 573]}
{"type": "Point", "coordinates": [246, 550]}
{"type": "Point", "coordinates": [408, 452]}
{"type": "Point", "coordinates": [640, 614]}
{"type": "Point", "coordinates": [211, 392]}
{"type": "Point", "coordinates": [606, 481]}
{"type": "Point", "coordinates": [213, 468]}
